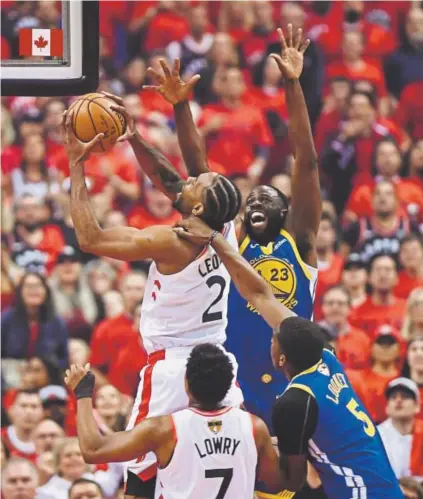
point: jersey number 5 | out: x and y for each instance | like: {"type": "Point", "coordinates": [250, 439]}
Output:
{"type": "Point", "coordinates": [226, 474]}
{"type": "Point", "coordinates": [217, 281]}
{"type": "Point", "coordinates": [368, 426]}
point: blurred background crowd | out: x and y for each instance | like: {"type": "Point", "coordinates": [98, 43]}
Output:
{"type": "Point", "coordinates": [363, 83]}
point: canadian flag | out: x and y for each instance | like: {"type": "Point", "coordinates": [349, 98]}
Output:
{"type": "Point", "coordinates": [42, 42]}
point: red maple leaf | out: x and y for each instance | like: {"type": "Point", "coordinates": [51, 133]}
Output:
{"type": "Point", "coordinates": [40, 42]}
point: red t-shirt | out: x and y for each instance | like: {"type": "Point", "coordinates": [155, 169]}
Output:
{"type": "Point", "coordinates": [370, 387]}
{"type": "Point", "coordinates": [165, 27]}
{"type": "Point", "coordinates": [141, 218]}
{"type": "Point", "coordinates": [328, 277]}
{"type": "Point", "coordinates": [16, 447]}
{"type": "Point", "coordinates": [234, 145]}
{"type": "Point", "coordinates": [257, 97]}
{"type": "Point", "coordinates": [369, 316]}
{"type": "Point", "coordinates": [109, 337]}
{"type": "Point", "coordinates": [327, 125]}
{"type": "Point", "coordinates": [353, 348]}
{"type": "Point", "coordinates": [406, 284]}
{"type": "Point", "coordinates": [409, 113]}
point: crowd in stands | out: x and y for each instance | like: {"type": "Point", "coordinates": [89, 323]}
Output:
{"type": "Point", "coordinates": [363, 83]}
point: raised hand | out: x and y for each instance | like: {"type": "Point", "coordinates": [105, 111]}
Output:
{"type": "Point", "coordinates": [75, 374]}
{"type": "Point", "coordinates": [291, 60]}
{"type": "Point", "coordinates": [76, 149]}
{"type": "Point", "coordinates": [130, 120]}
{"type": "Point", "coordinates": [194, 229]}
{"type": "Point", "coordinates": [169, 84]}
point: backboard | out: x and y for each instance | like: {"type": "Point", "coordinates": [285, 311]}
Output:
{"type": "Point", "coordinates": [49, 48]}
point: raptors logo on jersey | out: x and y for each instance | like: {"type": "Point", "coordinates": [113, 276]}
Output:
{"type": "Point", "coordinates": [189, 307]}
{"type": "Point", "coordinates": [220, 449]}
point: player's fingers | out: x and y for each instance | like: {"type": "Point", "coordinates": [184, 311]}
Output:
{"type": "Point", "coordinates": [94, 141]}
{"type": "Point", "coordinates": [155, 75]}
{"type": "Point", "coordinates": [117, 99]}
{"type": "Point", "coordinates": [120, 109]}
{"type": "Point", "coordinates": [298, 37]}
{"type": "Point", "coordinates": [278, 60]}
{"type": "Point", "coordinates": [176, 67]}
{"type": "Point", "coordinates": [151, 87]}
{"type": "Point", "coordinates": [165, 68]}
{"type": "Point", "coordinates": [282, 39]}
{"type": "Point", "coordinates": [304, 46]}
{"type": "Point", "coordinates": [182, 233]}
{"type": "Point", "coordinates": [193, 81]}
{"type": "Point", "coordinates": [290, 44]}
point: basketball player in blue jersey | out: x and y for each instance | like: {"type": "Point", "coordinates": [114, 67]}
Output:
{"type": "Point", "coordinates": [318, 417]}
{"type": "Point", "coordinates": [278, 240]}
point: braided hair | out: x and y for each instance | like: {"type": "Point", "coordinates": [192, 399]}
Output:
{"type": "Point", "coordinates": [222, 201]}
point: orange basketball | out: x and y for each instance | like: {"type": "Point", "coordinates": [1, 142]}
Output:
{"type": "Point", "coordinates": [92, 115]}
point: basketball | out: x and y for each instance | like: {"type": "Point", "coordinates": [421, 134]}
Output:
{"type": "Point", "coordinates": [92, 114]}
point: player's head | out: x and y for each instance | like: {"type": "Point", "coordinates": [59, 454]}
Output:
{"type": "Point", "coordinates": [297, 345]}
{"type": "Point", "coordinates": [265, 212]}
{"type": "Point", "coordinates": [212, 197]}
{"type": "Point", "coordinates": [209, 376]}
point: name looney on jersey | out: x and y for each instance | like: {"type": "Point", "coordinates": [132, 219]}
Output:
{"type": "Point", "coordinates": [280, 275]}
{"type": "Point", "coordinates": [209, 265]}
{"type": "Point", "coordinates": [217, 445]}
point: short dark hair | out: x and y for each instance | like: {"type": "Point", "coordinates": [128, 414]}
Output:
{"type": "Point", "coordinates": [410, 238]}
{"type": "Point", "coordinates": [381, 255]}
{"type": "Point", "coordinates": [83, 481]}
{"type": "Point", "coordinates": [26, 391]}
{"type": "Point", "coordinates": [209, 374]}
{"type": "Point", "coordinates": [371, 98]}
{"type": "Point", "coordinates": [301, 341]}
{"type": "Point", "coordinates": [222, 201]}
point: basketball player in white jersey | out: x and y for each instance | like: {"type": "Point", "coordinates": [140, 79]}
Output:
{"type": "Point", "coordinates": [206, 451]}
{"type": "Point", "coordinates": [185, 302]}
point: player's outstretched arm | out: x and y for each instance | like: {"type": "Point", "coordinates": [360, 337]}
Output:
{"type": "Point", "coordinates": [152, 162]}
{"type": "Point", "coordinates": [250, 285]}
{"type": "Point", "coordinates": [306, 203]}
{"type": "Point", "coordinates": [151, 435]}
{"type": "Point", "coordinates": [122, 243]}
{"type": "Point", "coordinates": [177, 93]}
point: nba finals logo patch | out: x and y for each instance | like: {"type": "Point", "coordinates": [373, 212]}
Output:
{"type": "Point", "coordinates": [215, 426]}
{"type": "Point", "coordinates": [282, 279]}
{"type": "Point", "coordinates": [323, 369]}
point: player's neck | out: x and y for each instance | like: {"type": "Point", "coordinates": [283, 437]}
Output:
{"type": "Point", "coordinates": [22, 434]}
{"type": "Point", "coordinates": [202, 408]}
{"type": "Point", "coordinates": [382, 297]}
{"type": "Point", "coordinates": [385, 368]}
{"type": "Point", "coordinates": [403, 426]}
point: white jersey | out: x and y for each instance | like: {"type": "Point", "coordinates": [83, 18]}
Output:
{"type": "Point", "coordinates": [215, 456]}
{"type": "Point", "coordinates": [190, 307]}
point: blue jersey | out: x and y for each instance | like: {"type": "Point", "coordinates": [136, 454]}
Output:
{"type": "Point", "coordinates": [346, 448]}
{"type": "Point", "coordinates": [249, 336]}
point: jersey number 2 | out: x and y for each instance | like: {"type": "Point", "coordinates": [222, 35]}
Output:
{"type": "Point", "coordinates": [219, 281]}
{"type": "Point", "coordinates": [226, 474]}
{"type": "Point", "coordinates": [368, 426]}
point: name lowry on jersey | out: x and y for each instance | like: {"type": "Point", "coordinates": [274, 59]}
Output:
{"type": "Point", "coordinates": [217, 445]}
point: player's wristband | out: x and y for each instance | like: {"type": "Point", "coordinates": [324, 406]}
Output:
{"type": "Point", "coordinates": [212, 237]}
{"type": "Point", "coordinates": [85, 388]}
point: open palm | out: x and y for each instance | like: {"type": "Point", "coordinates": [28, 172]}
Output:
{"type": "Point", "coordinates": [291, 60]}
{"type": "Point", "coordinates": [170, 84]}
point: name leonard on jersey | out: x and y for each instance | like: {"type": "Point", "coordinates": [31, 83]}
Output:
{"type": "Point", "coordinates": [280, 275]}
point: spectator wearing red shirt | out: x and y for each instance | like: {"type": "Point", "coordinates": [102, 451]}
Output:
{"type": "Point", "coordinates": [413, 321]}
{"type": "Point", "coordinates": [388, 163]}
{"type": "Point", "coordinates": [383, 231]}
{"type": "Point", "coordinates": [157, 209]}
{"type": "Point", "coordinates": [370, 384]}
{"type": "Point", "coordinates": [237, 135]}
{"type": "Point", "coordinates": [25, 413]}
{"type": "Point", "coordinates": [329, 262]}
{"type": "Point", "coordinates": [411, 260]}
{"type": "Point", "coordinates": [351, 344]}
{"type": "Point", "coordinates": [415, 365]}
{"type": "Point", "coordinates": [354, 279]}
{"type": "Point", "coordinates": [124, 373]}
{"type": "Point", "coordinates": [416, 163]}
{"type": "Point", "coordinates": [381, 306]}
{"type": "Point", "coordinates": [409, 113]}
{"type": "Point", "coordinates": [236, 19]}
{"type": "Point", "coordinates": [111, 335]}
{"type": "Point", "coordinates": [355, 68]}
{"type": "Point", "coordinates": [53, 112]}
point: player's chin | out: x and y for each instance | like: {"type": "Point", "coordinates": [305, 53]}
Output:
{"type": "Point", "coordinates": [258, 228]}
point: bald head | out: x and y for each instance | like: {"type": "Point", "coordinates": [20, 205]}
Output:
{"type": "Point", "coordinates": [19, 479]}
{"type": "Point", "coordinates": [46, 434]}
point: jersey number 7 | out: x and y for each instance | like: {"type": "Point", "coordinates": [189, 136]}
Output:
{"type": "Point", "coordinates": [226, 474]}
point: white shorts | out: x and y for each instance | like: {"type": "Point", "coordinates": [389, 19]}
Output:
{"type": "Point", "coordinates": [161, 391]}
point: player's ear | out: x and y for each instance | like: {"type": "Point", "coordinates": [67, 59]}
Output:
{"type": "Point", "coordinates": [282, 360]}
{"type": "Point", "coordinates": [198, 209]}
